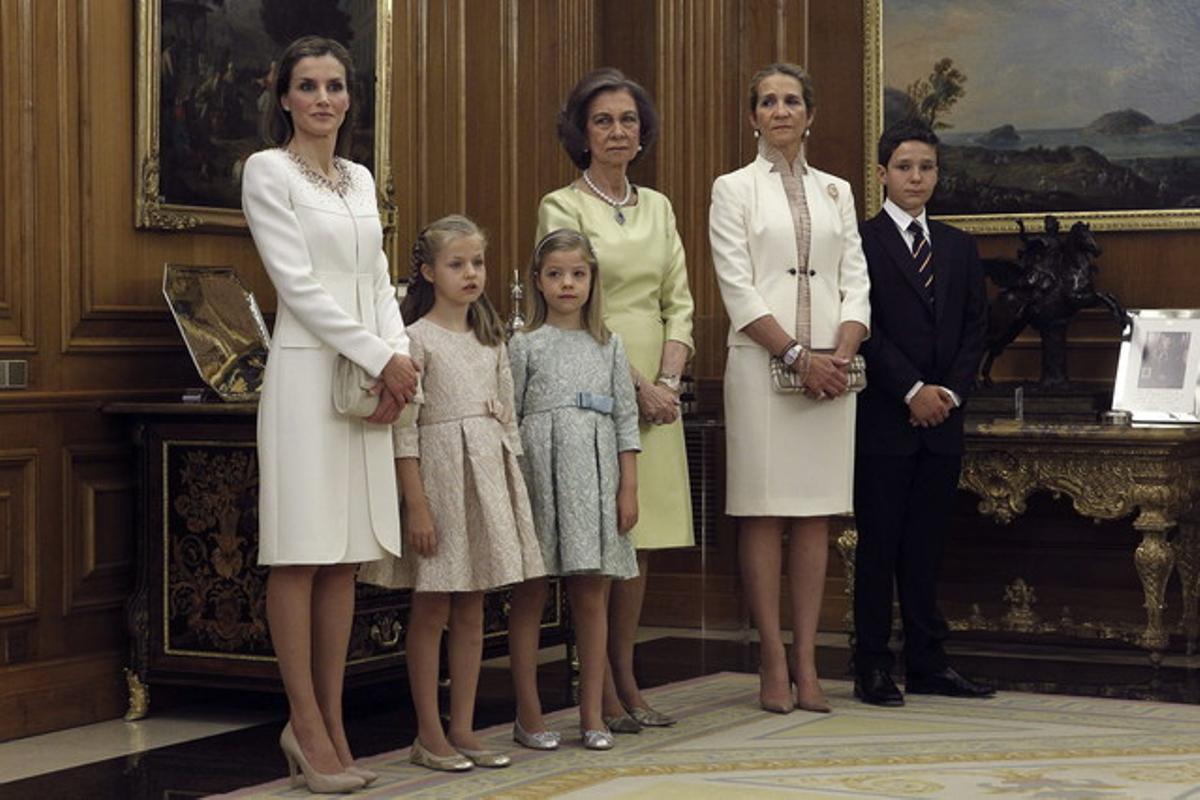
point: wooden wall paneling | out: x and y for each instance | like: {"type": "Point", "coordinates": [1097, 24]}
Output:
{"type": "Point", "coordinates": [405, 127]}
{"type": "Point", "coordinates": [442, 104]}
{"type": "Point", "coordinates": [836, 142]}
{"type": "Point", "coordinates": [487, 102]}
{"type": "Point", "coordinates": [112, 274]}
{"type": "Point", "coordinates": [554, 46]}
{"type": "Point", "coordinates": [18, 534]}
{"type": "Point", "coordinates": [49, 695]}
{"type": "Point", "coordinates": [98, 526]}
{"type": "Point", "coordinates": [17, 306]}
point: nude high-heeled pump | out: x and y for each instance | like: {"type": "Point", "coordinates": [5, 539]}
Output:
{"type": "Point", "coordinates": [317, 782]}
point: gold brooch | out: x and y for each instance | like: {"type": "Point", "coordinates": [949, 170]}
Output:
{"type": "Point", "coordinates": [833, 192]}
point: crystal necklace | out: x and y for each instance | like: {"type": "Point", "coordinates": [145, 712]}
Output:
{"type": "Point", "coordinates": [319, 180]}
{"type": "Point", "coordinates": [612, 201]}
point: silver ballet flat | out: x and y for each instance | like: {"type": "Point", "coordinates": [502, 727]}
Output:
{"type": "Point", "coordinates": [598, 740]}
{"type": "Point", "coordinates": [649, 718]}
{"type": "Point", "coordinates": [623, 724]}
{"type": "Point", "coordinates": [541, 740]}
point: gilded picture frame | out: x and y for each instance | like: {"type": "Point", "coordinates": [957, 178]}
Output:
{"type": "Point", "coordinates": [1075, 146]}
{"type": "Point", "coordinates": [203, 73]}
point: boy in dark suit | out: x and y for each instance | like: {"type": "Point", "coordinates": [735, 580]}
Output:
{"type": "Point", "coordinates": [928, 318]}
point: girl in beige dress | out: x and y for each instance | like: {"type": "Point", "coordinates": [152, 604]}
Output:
{"type": "Point", "coordinates": [467, 522]}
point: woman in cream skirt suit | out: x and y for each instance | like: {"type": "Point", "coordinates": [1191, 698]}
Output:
{"type": "Point", "coordinates": [794, 280]}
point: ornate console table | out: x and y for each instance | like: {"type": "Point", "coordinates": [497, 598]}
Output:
{"type": "Point", "coordinates": [197, 615]}
{"type": "Point", "coordinates": [1109, 472]}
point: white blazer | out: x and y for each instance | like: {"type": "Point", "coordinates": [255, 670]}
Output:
{"type": "Point", "coordinates": [754, 252]}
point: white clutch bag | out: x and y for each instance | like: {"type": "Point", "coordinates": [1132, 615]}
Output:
{"type": "Point", "coordinates": [352, 389]}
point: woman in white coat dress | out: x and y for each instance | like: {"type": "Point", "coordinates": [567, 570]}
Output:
{"type": "Point", "coordinates": [327, 492]}
{"type": "Point", "coordinates": [794, 280]}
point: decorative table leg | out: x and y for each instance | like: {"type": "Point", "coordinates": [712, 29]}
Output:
{"type": "Point", "coordinates": [1155, 559]}
{"type": "Point", "coordinates": [847, 544]}
{"type": "Point", "coordinates": [139, 697]}
{"type": "Point", "coordinates": [1187, 561]}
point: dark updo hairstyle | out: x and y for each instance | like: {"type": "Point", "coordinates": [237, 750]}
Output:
{"type": "Point", "coordinates": [277, 127]}
{"type": "Point", "coordinates": [482, 317]}
{"type": "Point", "coordinates": [792, 71]}
{"type": "Point", "coordinates": [572, 119]}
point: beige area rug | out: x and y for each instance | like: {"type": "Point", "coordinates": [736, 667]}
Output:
{"type": "Point", "coordinates": [1015, 745]}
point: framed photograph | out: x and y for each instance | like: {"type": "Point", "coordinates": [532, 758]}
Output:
{"type": "Point", "coordinates": [1159, 366]}
{"type": "Point", "coordinates": [205, 70]}
{"type": "Point", "coordinates": [1088, 109]}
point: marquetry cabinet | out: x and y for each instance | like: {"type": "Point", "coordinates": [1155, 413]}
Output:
{"type": "Point", "coordinates": [197, 615]}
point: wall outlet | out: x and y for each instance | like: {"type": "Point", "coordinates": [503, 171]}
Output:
{"type": "Point", "coordinates": [14, 373]}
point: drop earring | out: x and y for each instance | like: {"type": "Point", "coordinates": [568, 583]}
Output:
{"type": "Point", "coordinates": [756, 133]}
{"type": "Point", "coordinates": [807, 132]}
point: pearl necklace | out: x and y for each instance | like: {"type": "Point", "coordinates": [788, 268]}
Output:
{"type": "Point", "coordinates": [619, 216]}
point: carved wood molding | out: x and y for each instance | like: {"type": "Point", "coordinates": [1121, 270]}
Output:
{"type": "Point", "coordinates": [18, 308]}
{"type": "Point", "coordinates": [98, 563]}
{"type": "Point", "coordinates": [18, 535]}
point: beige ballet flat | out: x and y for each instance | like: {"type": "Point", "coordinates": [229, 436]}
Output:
{"type": "Point", "coordinates": [487, 758]}
{"type": "Point", "coordinates": [452, 763]}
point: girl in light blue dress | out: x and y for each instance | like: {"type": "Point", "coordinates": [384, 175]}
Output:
{"type": "Point", "coordinates": [578, 416]}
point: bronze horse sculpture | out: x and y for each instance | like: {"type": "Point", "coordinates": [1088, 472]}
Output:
{"type": "Point", "coordinates": [1051, 280]}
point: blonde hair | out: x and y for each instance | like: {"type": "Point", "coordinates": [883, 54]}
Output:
{"type": "Point", "coordinates": [481, 316]}
{"type": "Point", "coordinates": [565, 240]}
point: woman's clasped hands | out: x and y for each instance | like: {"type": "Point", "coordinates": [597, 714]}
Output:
{"type": "Point", "coordinates": [828, 376]}
{"type": "Point", "coordinates": [657, 404]}
{"type": "Point", "coordinates": [396, 386]}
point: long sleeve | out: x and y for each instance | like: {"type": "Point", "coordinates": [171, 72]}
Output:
{"type": "Point", "coordinates": [280, 240]}
{"type": "Point", "coordinates": [675, 296]}
{"type": "Point", "coordinates": [731, 256]}
{"type": "Point", "coordinates": [854, 281]}
{"type": "Point", "coordinates": [406, 433]}
{"type": "Point", "coordinates": [625, 410]}
{"type": "Point", "coordinates": [504, 387]}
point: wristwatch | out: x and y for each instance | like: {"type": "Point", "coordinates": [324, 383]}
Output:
{"type": "Point", "coordinates": [669, 380]}
{"type": "Point", "coordinates": [791, 354]}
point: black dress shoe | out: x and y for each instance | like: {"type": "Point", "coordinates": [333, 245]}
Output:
{"type": "Point", "coordinates": [877, 688]}
{"type": "Point", "coordinates": [947, 682]}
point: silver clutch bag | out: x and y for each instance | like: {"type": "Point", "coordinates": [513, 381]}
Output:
{"type": "Point", "coordinates": [352, 389]}
{"type": "Point", "coordinates": [785, 381]}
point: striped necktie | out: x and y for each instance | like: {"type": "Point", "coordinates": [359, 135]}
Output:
{"type": "Point", "coordinates": [922, 256]}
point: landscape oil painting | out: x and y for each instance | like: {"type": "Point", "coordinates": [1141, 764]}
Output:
{"type": "Point", "coordinates": [1084, 108]}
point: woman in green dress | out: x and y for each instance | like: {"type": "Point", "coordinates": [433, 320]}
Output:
{"type": "Point", "coordinates": [608, 122]}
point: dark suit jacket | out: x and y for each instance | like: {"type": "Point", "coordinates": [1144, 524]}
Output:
{"type": "Point", "coordinates": [912, 340]}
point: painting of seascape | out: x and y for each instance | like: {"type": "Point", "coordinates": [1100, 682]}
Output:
{"type": "Point", "coordinates": [1084, 108]}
